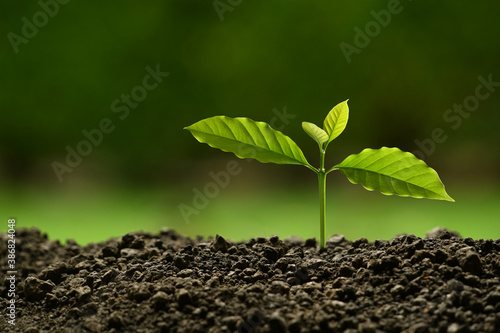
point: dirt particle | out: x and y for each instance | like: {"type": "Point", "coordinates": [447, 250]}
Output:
{"type": "Point", "coordinates": [279, 287]}
{"type": "Point", "coordinates": [241, 264]}
{"type": "Point", "coordinates": [51, 300]}
{"type": "Point", "coordinates": [293, 240]}
{"type": "Point", "coordinates": [346, 271]}
{"type": "Point", "coordinates": [420, 255]}
{"type": "Point", "coordinates": [469, 260]}
{"type": "Point", "coordinates": [82, 293]}
{"type": "Point", "coordinates": [456, 328]}
{"type": "Point", "coordinates": [418, 328]}
{"type": "Point", "coordinates": [310, 242]}
{"type": "Point", "coordinates": [184, 297]}
{"type": "Point", "coordinates": [36, 289]}
{"type": "Point", "coordinates": [139, 292]}
{"type": "Point", "coordinates": [390, 262]}
{"type": "Point", "coordinates": [109, 275]}
{"type": "Point", "coordinates": [358, 262]}
{"type": "Point", "coordinates": [138, 243]}
{"type": "Point", "coordinates": [367, 327]}
{"type": "Point", "coordinates": [160, 299]}
{"type": "Point", "coordinates": [274, 239]}
{"type": "Point", "coordinates": [126, 241]}
{"type": "Point", "coordinates": [213, 282]}
{"type": "Point", "coordinates": [309, 287]}
{"type": "Point", "coordinates": [92, 325]}
{"type": "Point", "coordinates": [358, 242]}
{"type": "Point", "coordinates": [130, 253]}
{"type": "Point", "coordinates": [32, 330]}
{"type": "Point", "coordinates": [294, 326]}
{"type": "Point", "coordinates": [185, 272]}
{"type": "Point", "coordinates": [277, 323]}
{"type": "Point", "coordinates": [335, 240]}
{"type": "Point", "coordinates": [397, 290]}
{"type": "Point", "coordinates": [219, 244]}
{"type": "Point", "coordinates": [442, 233]}
{"type": "Point", "coordinates": [55, 272]}
{"type": "Point", "coordinates": [181, 262]}
{"type": "Point", "coordinates": [231, 321]}
{"type": "Point", "coordinates": [493, 297]}
{"type": "Point", "coordinates": [110, 251]}
{"type": "Point", "coordinates": [261, 240]}
{"type": "Point", "coordinates": [270, 253]}
{"type": "Point", "coordinates": [116, 321]}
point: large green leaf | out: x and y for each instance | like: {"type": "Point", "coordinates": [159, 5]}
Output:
{"type": "Point", "coordinates": [318, 134]}
{"type": "Point", "coordinates": [336, 121]}
{"type": "Point", "coordinates": [247, 138]}
{"type": "Point", "coordinates": [392, 171]}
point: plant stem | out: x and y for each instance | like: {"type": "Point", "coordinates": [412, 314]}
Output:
{"type": "Point", "coordinates": [322, 200]}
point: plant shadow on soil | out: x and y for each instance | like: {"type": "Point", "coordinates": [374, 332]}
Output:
{"type": "Point", "coordinates": [166, 282]}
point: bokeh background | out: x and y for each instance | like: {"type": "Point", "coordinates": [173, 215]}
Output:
{"type": "Point", "coordinates": [65, 66]}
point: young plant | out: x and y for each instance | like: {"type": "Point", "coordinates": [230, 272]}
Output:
{"type": "Point", "coordinates": [388, 170]}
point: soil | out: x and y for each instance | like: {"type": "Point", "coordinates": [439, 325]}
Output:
{"type": "Point", "coordinates": [169, 283]}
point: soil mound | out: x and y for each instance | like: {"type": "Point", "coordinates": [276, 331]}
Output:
{"type": "Point", "coordinates": [169, 283]}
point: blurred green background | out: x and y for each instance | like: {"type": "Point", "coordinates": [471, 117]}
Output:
{"type": "Point", "coordinates": [67, 66]}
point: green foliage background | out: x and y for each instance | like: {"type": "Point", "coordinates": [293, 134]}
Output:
{"type": "Point", "coordinates": [263, 56]}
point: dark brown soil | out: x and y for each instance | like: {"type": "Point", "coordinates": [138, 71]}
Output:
{"type": "Point", "coordinates": [169, 283]}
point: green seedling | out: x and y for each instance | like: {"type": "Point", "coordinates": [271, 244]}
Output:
{"type": "Point", "coordinates": [388, 170]}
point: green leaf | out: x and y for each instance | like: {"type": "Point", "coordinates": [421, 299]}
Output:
{"type": "Point", "coordinates": [336, 121]}
{"type": "Point", "coordinates": [392, 171]}
{"type": "Point", "coordinates": [247, 138]}
{"type": "Point", "coordinates": [318, 134]}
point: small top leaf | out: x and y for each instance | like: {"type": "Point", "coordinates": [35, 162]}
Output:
{"type": "Point", "coordinates": [318, 134]}
{"type": "Point", "coordinates": [336, 121]}
{"type": "Point", "coordinates": [247, 138]}
{"type": "Point", "coordinates": [392, 171]}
